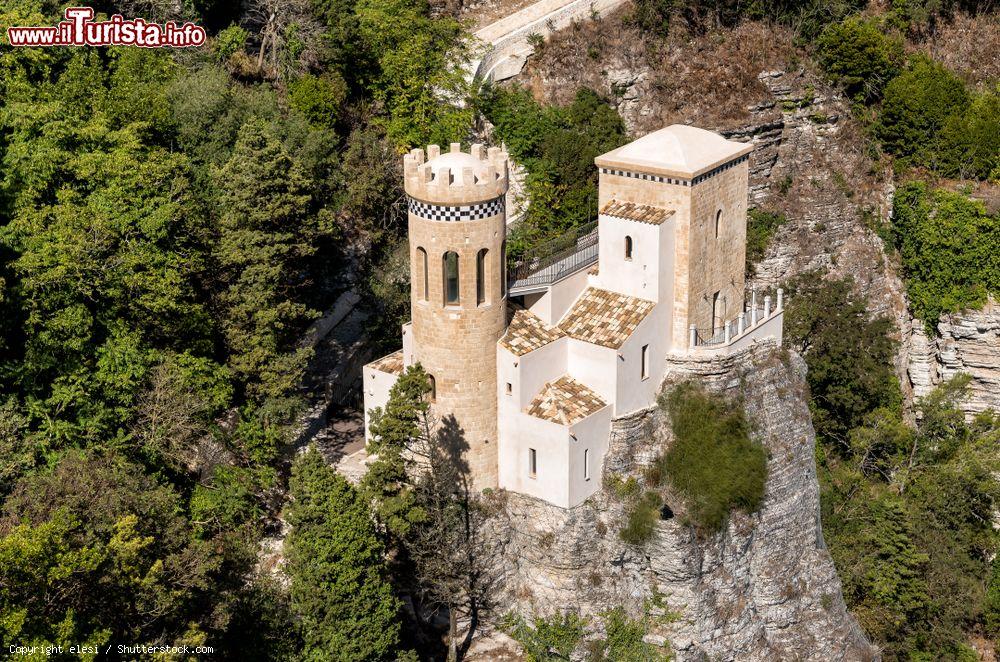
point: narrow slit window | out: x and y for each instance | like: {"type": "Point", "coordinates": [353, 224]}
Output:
{"type": "Point", "coordinates": [628, 248]}
{"type": "Point", "coordinates": [432, 391]}
{"type": "Point", "coordinates": [532, 463]}
{"type": "Point", "coordinates": [718, 223]}
{"type": "Point", "coordinates": [422, 265]}
{"type": "Point", "coordinates": [481, 277]}
{"type": "Point", "coordinates": [586, 464]}
{"type": "Point", "coordinates": [451, 278]}
{"type": "Point", "coordinates": [510, 388]}
{"type": "Point", "coordinates": [645, 361]}
{"type": "Point", "coordinates": [503, 268]}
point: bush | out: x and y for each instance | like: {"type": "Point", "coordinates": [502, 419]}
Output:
{"type": "Point", "coordinates": [761, 227]}
{"type": "Point", "coordinates": [551, 638]}
{"type": "Point", "coordinates": [319, 98]}
{"type": "Point", "coordinates": [229, 41]}
{"type": "Point", "coordinates": [858, 55]}
{"type": "Point", "coordinates": [624, 642]}
{"type": "Point", "coordinates": [642, 517]}
{"type": "Point", "coordinates": [970, 142]}
{"type": "Point", "coordinates": [917, 105]}
{"type": "Point", "coordinates": [948, 244]}
{"type": "Point", "coordinates": [712, 461]}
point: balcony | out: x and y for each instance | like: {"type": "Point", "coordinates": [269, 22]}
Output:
{"type": "Point", "coordinates": [554, 260]}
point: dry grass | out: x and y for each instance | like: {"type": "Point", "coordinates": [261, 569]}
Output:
{"type": "Point", "coordinates": [968, 45]}
{"type": "Point", "coordinates": [710, 79]}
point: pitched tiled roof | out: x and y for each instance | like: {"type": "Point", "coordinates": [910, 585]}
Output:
{"type": "Point", "coordinates": [391, 363]}
{"type": "Point", "coordinates": [634, 212]}
{"type": "Point", "coordinates": [526, 332]}
{"type": "Point", "coordinates": [565, 401]}
{"type": "Point", "coordinates": [604, 318]}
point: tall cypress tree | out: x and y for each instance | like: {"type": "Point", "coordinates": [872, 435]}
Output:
{"type": "Point", "coordinates": [267, 232]}
{"type": "Point", "coordinates": [337, 564]}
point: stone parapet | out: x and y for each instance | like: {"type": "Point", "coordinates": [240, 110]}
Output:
{"type": "Point", "coordinates": [437, 180]}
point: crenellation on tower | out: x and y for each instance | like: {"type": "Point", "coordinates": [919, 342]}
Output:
{"type": "Point", "coordinates": [455, 177]}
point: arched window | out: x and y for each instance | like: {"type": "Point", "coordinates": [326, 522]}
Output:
{"type": "Point", "coordinates": [503, 268]}
{"type": "Point", "coordinates": [718, 223]}
{"type": "Point", "coordinates": [451, 277]}
{"type": "Point", "coordinates": [628, 248]}
{"type": "Point", "coordinates": [481, 276]}
{"type": "Point", "coordinates": [422, 270]}
{"type": "Point", "coordinates": [432, 391]}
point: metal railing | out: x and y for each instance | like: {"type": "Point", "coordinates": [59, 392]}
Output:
{"type": "Point", "coordinates": [556, 259]}
{"type": "Point", "coordinates": [756, 311]}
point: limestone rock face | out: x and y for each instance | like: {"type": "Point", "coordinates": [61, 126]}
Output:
{"type": "Point", "coordinates": [763, 589]}
{"type": "Point", "coordinates": [967, 342]}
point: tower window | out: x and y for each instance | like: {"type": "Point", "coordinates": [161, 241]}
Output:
{"type": "Point", "coordinates": [432, 391]}
{"type": "Point", "coordinates": [586, 464]}
{"type": "Point", "coordinates": [451, 277]}
{"type": "Point", "coordinates": [510, 388]}
{"type": "Point", "coordinates": [422, 266]}
{"type": "Point", "coordinates": [481, 277]}
{"type": "Point", "coordinates": [532, 463]}
{"type": "Point", "coordinates": [628, 248]}
{"type": "Point", "coordinates": [718, 223]}
{"type": "Point", "coordinates": [503, 268]}
{"type": "Point", "coordinates": [645, 361]}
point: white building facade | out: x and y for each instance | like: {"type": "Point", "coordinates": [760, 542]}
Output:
{"type": "Point", "coordinates": [589, 329]}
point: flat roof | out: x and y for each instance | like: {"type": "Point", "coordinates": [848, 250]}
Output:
{"type": "Point", "coordinates": [677, 150]}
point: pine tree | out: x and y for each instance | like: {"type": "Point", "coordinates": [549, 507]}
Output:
{"type": "Point", "coordinates": [337, 564]}
{"type": "Point", "coordinates": [266, 235]}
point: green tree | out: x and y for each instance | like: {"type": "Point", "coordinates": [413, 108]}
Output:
{"type": "Point", "coordinates": [337, 565]}
{"type": "Point", "coordinates": [267, 233]}
{"type": "Point", "coordinates": [849, 355]}
{"type": "Point", "coordinates": [948, 244]}
{"type": "Point", "coordinates": [916, 106]}
{"type": "Point", "coordinates": [858, 55]}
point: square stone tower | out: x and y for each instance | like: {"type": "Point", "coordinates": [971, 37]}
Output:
{"type": "Point", "coordinates": [458, 294]}
{"type": "Point", "coordinates": [703, 178]}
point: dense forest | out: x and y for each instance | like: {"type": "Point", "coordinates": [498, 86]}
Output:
{"type": "Point", "coordinates": [172, 221]}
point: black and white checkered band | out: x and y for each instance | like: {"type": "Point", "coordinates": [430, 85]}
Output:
{"type": "Point", "coordinates": [675, 180]}
{"type": "Point", "coordinates": [456, 212]}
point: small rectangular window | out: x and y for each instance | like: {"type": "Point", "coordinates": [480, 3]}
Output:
{"type": "Point", "coordinates": [586, 464]}
{"type": "Point", "coordinates": [645, 361]}
{"type": "Point", "coordinates": [532, 463]}
{"type": "Point", "coordinates": [510, 388]}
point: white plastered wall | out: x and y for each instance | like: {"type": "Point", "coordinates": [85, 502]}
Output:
{"type": "Point", "coordinates": [636, 277]}
{"type": "Point", "coordinates": [520, 433]}
{"type": "Point", "coordinates": [594, 366]}
{"type": "Point", "coordinates": [552, 304]}
{"type": "Point", "coordinates": [591, 433]}
{"type": "Point", "coordinates": [377, 385]}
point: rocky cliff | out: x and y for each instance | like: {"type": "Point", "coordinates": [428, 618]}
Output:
{"type": "Point", "coordinates": [763, 589]}
{"type": "Point", "coordinates": [968, 342]}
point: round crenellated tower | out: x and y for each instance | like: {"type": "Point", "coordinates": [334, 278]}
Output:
{"type": "Point", "coordinates": [458, 292]}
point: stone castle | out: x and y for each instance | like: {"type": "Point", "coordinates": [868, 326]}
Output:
{"type": "Point", "coordinates": [535, 363]}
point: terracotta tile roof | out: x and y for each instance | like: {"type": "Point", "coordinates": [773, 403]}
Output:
{"type": "Point", "coordinates": [634, 212]}
{"type": "Point", "coordinates": [526, 332]}
{"type": "Point", "coordinates": [565, 401]}
{"type": "Point", "coordinates": [391, 363]}
{"type": "Point", "coordinates": [604, 318]}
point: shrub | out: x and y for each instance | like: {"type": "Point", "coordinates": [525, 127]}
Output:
{"type": "Point", "coordinates": [550, 638]}
{"type": "Point", "coordinates": [625, 639]}
{"type": "Point", "coordinates": [642, 516]}
{"type": "Point", "coordinates": [948, 244]}
{"type": "Point", "coordinates": [860, 57]}
{"type": "Point", "coordinates": [712, 461]}
{"type": "Point", "coordinates": [319, 98]}
{"type": "Point", "coordinates": [970, 142]}
{"type": "Point", "coordinates": [917, 104]}
{"type": "Point", "coordinates": [761, 227]}
{"type": "Point", "coordinates": [230, 41]}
